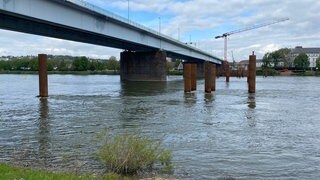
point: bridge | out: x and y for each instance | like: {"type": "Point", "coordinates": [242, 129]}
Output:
{"type": "Point", "coordinates": [145, 50]}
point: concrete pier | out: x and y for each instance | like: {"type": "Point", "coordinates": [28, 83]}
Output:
{"type": "Point", "coordinates": [43, 75]}
{"type": "Point", "coordinates": [193, 77]}
{"type": "Point", "coordinates": [187, 77]}
{"type": "Point", "coordinates": [252, 74]}
{"type": "Point", "coordinates": [208, 77]}
{"type": "Point", "coordinates": [143, 66]}
{"type": "Point", "coordinates": [214, 75]}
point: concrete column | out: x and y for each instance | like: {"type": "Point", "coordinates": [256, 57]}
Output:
{"type": "Point", "coordinates": [187, 77]}
{"type": "Point", "coordinates": [252, 73]}
{"type": "Point", "coordinates": [43, 75]}
{"type": "Point", "coordinates": [214, 74]}
{"type": "Point", "coordinates": [248, 74]}
{"type": "Point", "coordinates": [208, 77]}
{"type": "Point", "coordinates": [193, 77]}
{"type": "Point", "coordinates": [143, 66]}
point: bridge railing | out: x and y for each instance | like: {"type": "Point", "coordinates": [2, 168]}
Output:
{"type": "Point", "coordinates": [99, 10]}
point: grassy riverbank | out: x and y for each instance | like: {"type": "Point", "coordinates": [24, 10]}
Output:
{"type": "Point", "coordinates": [9, 172]}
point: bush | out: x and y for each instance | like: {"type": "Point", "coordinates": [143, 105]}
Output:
{"type": "Point", "coordinates": [129, 154]}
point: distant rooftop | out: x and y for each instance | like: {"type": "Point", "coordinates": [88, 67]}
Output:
{"type": "Point", "coordinates": [300, 49]}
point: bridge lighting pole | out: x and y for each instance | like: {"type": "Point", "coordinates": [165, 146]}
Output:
{"type": "Point", "coordinates": [128, 10]}
{"type": "Point", "coordinates": [159, 24]}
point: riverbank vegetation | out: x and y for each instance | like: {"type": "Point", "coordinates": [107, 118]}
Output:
{"type": "Point", "coordinates": [12, 172]}
{"type": "Point", "coordinates": [130, 154]}
{"type": "Point", "coordinates": [124, 156]}
{"type": "Point", "coordinates": [60, 64]}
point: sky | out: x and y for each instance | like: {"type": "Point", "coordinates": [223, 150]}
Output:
{"type": "Point", "coordinates": [196, 21]}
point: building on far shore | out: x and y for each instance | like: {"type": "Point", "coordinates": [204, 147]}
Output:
{"type": "Point", "coordinates": [312, 53]}
{"type": "Point", "coordinates": [243, 65]}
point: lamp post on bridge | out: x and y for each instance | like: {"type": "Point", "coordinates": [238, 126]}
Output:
{"type": "Point", "coordinates": [128, 10]}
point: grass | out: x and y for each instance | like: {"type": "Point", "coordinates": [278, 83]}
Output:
{"type": "Point", "coordinates": [129, 154]}
{"type": "Point", "coordinates": [9, 172]}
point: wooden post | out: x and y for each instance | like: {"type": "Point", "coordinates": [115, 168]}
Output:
{"type": "Point", "coordinates": [227, 73]}
{"type": "Point", "coordinates": [252, 73]}
{"type": "Point", "coordinates": [193, 77]}
{"type": "Point", "coordinates": [187, 77]}
{"type": "Point", "coordinates": [208, 77]}
{"type": "Point", "coordinates": [43, 75]}
{"type": "Point", "coordinates": [214, 74]}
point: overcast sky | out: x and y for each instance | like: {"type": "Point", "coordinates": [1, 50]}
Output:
{"type": "Point", "coordinates": [198, 21]}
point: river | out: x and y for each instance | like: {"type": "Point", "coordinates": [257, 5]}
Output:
{"type": "Point", "coordinates": [274, 134]}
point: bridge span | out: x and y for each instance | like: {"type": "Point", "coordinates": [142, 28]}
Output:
{"type": "Point", "coordinates": [145, 52]}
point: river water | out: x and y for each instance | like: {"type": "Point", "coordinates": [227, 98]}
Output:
{"type": "Point", "coordinates": [274, 134]}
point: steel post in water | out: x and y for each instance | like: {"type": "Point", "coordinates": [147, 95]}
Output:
{"type": "Point", "coordinates": [193, 77]}
{"type": "Point", "coordinates": [252, 73]}
{"type": "Point", "coordinates": [214, 74]}
{"type": "Point", "coordinates": [227, 73]}
{"type": "Point", "coordinates": [208, 77]}
{"type": "Point", "coordinates": [187, 77]}
{"type": "Point", "coordinates": [43, 75]}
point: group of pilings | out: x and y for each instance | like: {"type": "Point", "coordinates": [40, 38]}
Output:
{"type": "Point", "coordinates": [210, 74]}
{"type": "Point", "coordinates": [190, 77]}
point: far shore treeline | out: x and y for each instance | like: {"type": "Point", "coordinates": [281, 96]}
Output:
{"type": "Point", "coordinates": [59, 63]}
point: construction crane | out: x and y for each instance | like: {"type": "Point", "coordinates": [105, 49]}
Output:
{"type": "Point", "coordinates": [225, 35]}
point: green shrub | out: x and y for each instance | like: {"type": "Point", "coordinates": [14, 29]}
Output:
{"type": "Point", "coordinates": [129, 154]}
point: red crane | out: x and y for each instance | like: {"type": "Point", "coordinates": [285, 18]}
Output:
{"type": "Point", "coordinates": [225, 35]}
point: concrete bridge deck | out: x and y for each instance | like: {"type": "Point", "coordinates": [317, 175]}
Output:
{"type": "Point", "coordinates": [80, 21]}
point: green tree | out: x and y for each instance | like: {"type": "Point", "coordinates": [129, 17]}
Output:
{"type": "Point", "coordinates": [81, 63]}
{"type": "Point", "coordinates": [62, 66]}
{"type": "Point", "coordinates": [34, 64]}
{"type": "Point", "coordinates": [113, 64]}
{"type": "Point", "coordinates": [301, 61]}
{"type": "Point", "coordinates": [96, 65]}
{"type": "Point", "coordinates": [275, 56]}
{"type": "Point", "coordinates": [266, 61]}
{"type": "Point", "coordinates": [318, 63]}
{"type": "Point", "coordinates": [284, 55]}
{"type": "Point", "coordinates": [49, 66]}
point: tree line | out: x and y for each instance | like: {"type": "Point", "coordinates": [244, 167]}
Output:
{"type": "Point", "coordinates": [56, 63]}
{"type": "Point", "coordinates": [301, 62]}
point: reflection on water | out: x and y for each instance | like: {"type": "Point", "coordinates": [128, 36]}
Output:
{"type": "Point", "coordinates": [143, 88]}
{"type": "Point", "coordinates": [252, 101]}
{"type": "Point", "coordinates": [44, 131]}
{"type": "Point", "coordinates": [273, 134]}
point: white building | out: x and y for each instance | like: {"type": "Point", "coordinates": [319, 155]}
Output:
{"type": "Point", "coordinates": [312, 53]}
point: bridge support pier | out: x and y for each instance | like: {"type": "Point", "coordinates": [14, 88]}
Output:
{"type": "Point", "coordinates": [193, 77]}
{"type": "Point", "coordinates": [143, 66]}
{"type": "Point", "coordinates": [187, 68]}
{"type": "Point", "coordinates": [210, 77]}
{"type": "Point", "coordinates": [214, 75]}
{"type": "Point", "coordinates": [252, 73]}
{"type": "Point", "coordinates": [43, 75]}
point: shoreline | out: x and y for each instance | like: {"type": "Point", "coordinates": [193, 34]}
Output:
{"type": "Point", "coordinates": [170, 73]}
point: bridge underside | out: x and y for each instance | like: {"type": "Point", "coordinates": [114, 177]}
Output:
{"type": "Point", "coordinates": [140, 62]}
{"type": "Point", "coordinates": [23, 24]}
